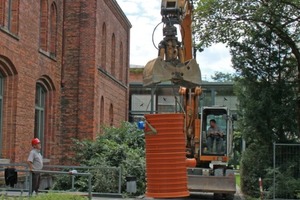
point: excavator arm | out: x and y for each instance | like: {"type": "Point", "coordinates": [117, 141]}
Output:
{"type": "Point", "coordinates": [174, 62]}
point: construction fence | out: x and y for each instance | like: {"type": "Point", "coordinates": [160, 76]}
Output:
{"type": "Point", "coordinates": [286, 171]}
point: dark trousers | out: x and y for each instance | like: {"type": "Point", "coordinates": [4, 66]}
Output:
{"type": "Point", "coordinates": [35, 182]}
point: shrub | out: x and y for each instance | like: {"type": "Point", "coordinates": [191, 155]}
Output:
{"type": "Point", "coordinates": [122, 147]}
{"type": "Point", "coordinates": [254, 164]}
{"type": "Point", "coordinates": [286, 185]}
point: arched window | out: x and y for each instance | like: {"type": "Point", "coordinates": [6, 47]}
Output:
{"type": "Point", "coordinates": [121, 62]}
{"type": "Point", "coordinates": [53, 29]}
{"type": "Point", "coordinates": [113, 55]}
{"type": "Point", "coordinates": [39, 121]}
{"type": "Point", "coordinates": [8, 88]}
{"type": "Point", "coordinates": [102, 111]}
{"type": "Point", "coordinates": [111, 115]}
{"type": "Point", "coordinates": [9, 15]}
{"type": "Point", "coordinates": [103, 47]}
{"type": "Point", "coordinates": [44, 113]}
{"type": "Point", "coordinates": [44, 25]}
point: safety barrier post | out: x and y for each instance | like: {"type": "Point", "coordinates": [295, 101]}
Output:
{"type": "Point", "coordinates": [73, 181]}
{"type": "Point", "coordinates": [30, 184]}
{"type": "Point", "coordinates": [274, 167]}
{"type": "Point", "coordinates": [261, 188]}
{"type": "Point", "coordinates": [90, 186]}
{"type": "Point", "coordinates": [120, 180]}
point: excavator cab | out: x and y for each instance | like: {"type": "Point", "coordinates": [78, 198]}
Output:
{"type": "Point", "coordinates": [216, 132]}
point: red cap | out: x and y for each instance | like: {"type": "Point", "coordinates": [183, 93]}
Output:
{"type": "Point", "coordinates": [35, 141]}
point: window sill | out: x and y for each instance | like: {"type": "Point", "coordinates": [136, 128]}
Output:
{"type": "Point", "coordinates": [46, 160]}
{"type": "Point", "coordinates": [6, 31]}
{"type": "Point", "coordinates": [48, 54]}
{"type": "Point", "coordinates": [4, 161]}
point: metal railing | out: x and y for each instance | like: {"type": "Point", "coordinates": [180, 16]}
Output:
{"type": "Point", "coordinates": [59, 172]}
{"type": "Point", "coordinates": [65, 170]}
{"type": "Point", "coordinates": [117, 169]}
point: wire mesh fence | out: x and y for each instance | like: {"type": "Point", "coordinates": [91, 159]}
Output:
{"type": "Point", "coordinates": [286, 171]}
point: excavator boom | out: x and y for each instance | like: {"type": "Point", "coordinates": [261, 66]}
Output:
{"type": "Point", "coordinates": [175, 63]}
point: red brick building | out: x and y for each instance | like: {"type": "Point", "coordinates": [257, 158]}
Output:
{"type": "Point", "coordinates": [63, 73]}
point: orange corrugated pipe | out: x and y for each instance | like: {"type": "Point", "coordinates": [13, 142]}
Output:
{"type": "Point", "coordinates": [165, 156]}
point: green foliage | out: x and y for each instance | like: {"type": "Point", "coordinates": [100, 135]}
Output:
{"type": "Point", "coordinates": [223, 77]}
{"type": "Point", "coordinates": [287, 186]}
{"type": "Point", "coordinates": [237, 149]}
{"type": "Point", "coordinates": [267, 94]}
{"type": "Point", "coordinates": [49, 196]}
{"type": "Point", "coordinates": [274, 24]}
{"type": "Point", "coordinates": [115, 147]}
{"type": "Point", "coordinates": [55, 196]}
{"type": "Point", "coordinates": [254, 163]}
{"type": "Point", "coordinates": [267, 102]}
{"type": "Point", "coordinates": [230, 21]}
{"type": "Point", "coordinates": [238, 179]}
{"type": "Point", "coordinates": [136, 70]}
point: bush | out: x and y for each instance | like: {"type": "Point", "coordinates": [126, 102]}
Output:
{"type": "Point", "coordinates": [122, 147]}
{"type": "Point", "coordinates": [286, 185]}
{"type": "Point", "coordinates": [254, 164]}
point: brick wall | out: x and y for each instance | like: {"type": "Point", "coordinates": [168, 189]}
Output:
{"type": "Point", "coordinates": [23, 65]}
{"type": "Point", "coordinates": [69, 70]}
{"type": "Point", "coordinates": [136, 75]}
{"type": "Point", "coordinates": [84, 85]}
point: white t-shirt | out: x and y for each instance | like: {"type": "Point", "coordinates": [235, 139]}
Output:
{"type": "Point", "coordinates": [36, 158]}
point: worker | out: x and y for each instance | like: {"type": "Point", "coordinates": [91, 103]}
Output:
{"type": "Point", "coordinates": [214, 134]}
{"type": "Point", "coordinates": [35, 162]}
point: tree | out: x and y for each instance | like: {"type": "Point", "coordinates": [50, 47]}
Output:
{"type": "Point", "coordinates": [231, 21]}
{"type": "Point", "coordinates": [267, 98]}
{"type": "Point", "coordinates": [223, 77]}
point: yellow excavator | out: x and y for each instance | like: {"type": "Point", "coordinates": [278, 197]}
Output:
{"type": "Point", "coordinates": [175, 64]}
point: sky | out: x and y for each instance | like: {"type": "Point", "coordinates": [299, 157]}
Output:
{"type": "Point", "coordinates": [144, 15]}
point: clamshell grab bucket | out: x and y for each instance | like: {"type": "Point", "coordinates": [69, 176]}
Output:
{"type": "Point", "coordinates": [186, 75]}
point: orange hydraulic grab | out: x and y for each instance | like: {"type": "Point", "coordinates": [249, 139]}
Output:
{"type": "Point", "coordinates": [174, 62]}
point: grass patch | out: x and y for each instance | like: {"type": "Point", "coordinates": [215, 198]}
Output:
{"type": "Point", "coordinates": [238, 179]}
{"type": "Point", "coordinates": [49, 196]}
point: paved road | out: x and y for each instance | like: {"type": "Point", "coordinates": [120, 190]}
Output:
{"type": "Point", "coordinates": [199, 196]}
{"type": "Point", "coordinates": [203, 196]}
